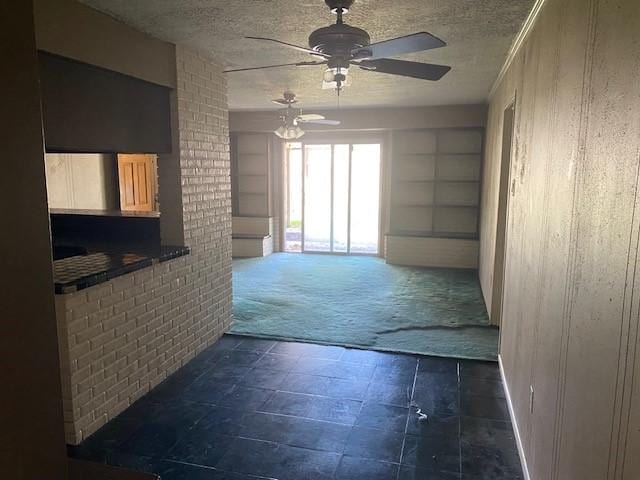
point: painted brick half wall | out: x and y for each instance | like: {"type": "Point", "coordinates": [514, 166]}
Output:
{"type": "Point", "coordinates": [120, 339]}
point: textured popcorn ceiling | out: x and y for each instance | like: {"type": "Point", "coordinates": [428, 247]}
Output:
{"type": "Point", "coordinates": [478, 33]}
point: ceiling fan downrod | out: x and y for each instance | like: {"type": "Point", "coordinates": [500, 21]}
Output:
{"type": "Point", "coordinates": [339, 7]}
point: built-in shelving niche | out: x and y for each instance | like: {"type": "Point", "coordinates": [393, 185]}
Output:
{"type": "Point", "coordinates": [435, 188]}
{"type": "Point", "coordinates": [250, 175]}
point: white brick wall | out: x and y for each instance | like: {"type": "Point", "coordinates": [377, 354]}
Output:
{"type": "Point", "coordinates": [121, 338]}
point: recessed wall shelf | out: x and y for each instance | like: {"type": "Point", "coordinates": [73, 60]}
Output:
{"type": "Point", "coordinates": [435, 183]}
{"type": "Point", "coordinates": [250, 175]}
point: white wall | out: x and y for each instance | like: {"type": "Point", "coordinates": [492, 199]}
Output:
{"type": "Point", "coordinates": [82, 180]}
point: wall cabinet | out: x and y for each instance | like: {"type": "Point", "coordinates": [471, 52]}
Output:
{"type": "Point", "coordinates": [137, 179]}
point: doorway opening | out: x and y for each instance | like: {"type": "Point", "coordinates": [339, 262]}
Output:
{"type": "Point", "coordinates": [503, 212]}
{"type": "Point", "coordinates": [332, 198]}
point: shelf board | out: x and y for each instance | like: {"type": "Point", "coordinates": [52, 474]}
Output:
{"type": "Point", "coordinates": [410, 233]}
{"type": "Point", "coordinates": [399, 180]}
{"type": "Point", "coordinates": [402, 205]}
{"type": "Point", "coordinates": [437, 154]}
{"type": "Point", "coordinates": [477, 154]}
{"type": "Point", "coordinates": [452, 180]}
{"type": "Point", "coordinates": [415, 154]}
{"type": "Point", "coordinates": [458, 181]}
{"type": "Point", "coordinates": [427, 234]}
{"type": "Point", "coordinates": [453, 205]}
{"type": "Point", "coordinates": [434, 205]}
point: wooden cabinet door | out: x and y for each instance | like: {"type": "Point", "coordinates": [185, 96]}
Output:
{"type": "Point", "coordinates": [136, 173]}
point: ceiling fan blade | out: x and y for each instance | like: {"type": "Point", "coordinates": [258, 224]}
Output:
{"type": "Point", "coordinates": [296, 64]}
{"type": "Point", "coordinates": [283, 101]}
{"type": "Point", "coordinates": [290, 45]}
{"type": "Point", "coordinates": [424, 71]}
{"type": "Point", "coordinates": [309, 116]}
{"type": "Point", "coordinates": [321, 122]}
{"type": "Point", "coordinates": [416, 42]}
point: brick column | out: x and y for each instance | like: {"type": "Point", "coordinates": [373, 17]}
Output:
{"type": "Point", "coordinates": [121, 338]}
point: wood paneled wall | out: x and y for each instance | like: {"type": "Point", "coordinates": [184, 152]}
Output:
{"type": "Point", "coordinates": [570, 312]}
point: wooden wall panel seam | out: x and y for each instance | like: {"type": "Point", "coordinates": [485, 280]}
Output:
{"type": "Point", "coordinates": [626, 361]}
{"type": "Point", "coordinates": [583, 130]}
{"type": "Point", "coordinates": [635, 362]}
{"type": "Point", "coordinates": [546, 237]}
{"type": "Point", "coordinates": [535, 82]}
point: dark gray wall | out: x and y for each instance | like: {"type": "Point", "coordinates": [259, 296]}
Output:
{"type": "Point", "coordinates": [90, 109]}
{"type": "Point", "coordinates": [32, 434]}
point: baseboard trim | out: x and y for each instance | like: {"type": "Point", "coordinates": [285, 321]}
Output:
{"type": "Point", "coordinates": [516, 431]}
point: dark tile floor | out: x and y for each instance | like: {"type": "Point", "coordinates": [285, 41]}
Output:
{"type": "Point", "coordinates": [249, 408]}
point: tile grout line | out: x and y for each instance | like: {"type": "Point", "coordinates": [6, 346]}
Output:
{"type": "Point", "coordinates": [341, 454]}
{"type": "Point", "coordinates": [350, 431]}
{"type": "Point", "coordinates": [378, 366]}
{"type": "Point", "coordinates": [406, 425]}
{"type": "Point", "coordinates": [459, 420]}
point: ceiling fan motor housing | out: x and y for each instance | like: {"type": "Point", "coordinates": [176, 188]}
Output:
{"type": "Point", "coordinates": [338, 39]}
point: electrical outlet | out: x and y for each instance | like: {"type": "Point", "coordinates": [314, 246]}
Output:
{"type": "Point", "coordinates": [530, 398]}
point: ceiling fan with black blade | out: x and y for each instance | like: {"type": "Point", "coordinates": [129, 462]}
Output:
{"type": "Point", "coordinates": [292, 118]}
{"type": "Point", "coordinates": [339, 46]}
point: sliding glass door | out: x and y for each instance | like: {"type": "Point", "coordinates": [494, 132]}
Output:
{"type": "Point", "coordinates": [340, 233]}
{"type": "Point", "coordinates": [317, 198]}
{"type": "Point", "coordinates": [365, 198]}
{"type": "Point", "coordinates": [340, 198]}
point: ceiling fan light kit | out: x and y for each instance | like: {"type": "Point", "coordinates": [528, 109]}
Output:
{"type": "Point", "coordinates": [340, 46]}
{"type": "Point", "coordinates": [292, 132]}
{"type": "Point", "coordinates": [291, 118]}
{"type": "Point", "coordinates": [334, 76]}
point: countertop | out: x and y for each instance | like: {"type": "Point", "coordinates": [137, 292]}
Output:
{"type": "Point", "coordinates": [82, 271]}
{"type": "Point", "coordinates": [102, 213]}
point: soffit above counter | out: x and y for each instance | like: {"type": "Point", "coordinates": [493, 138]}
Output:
{"type": "Point", "coordinates": [72, 30]}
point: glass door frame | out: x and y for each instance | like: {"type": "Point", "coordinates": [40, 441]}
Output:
{"type": "Point", "coordinates": [344, 139]}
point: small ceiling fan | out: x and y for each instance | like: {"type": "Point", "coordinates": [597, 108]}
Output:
{"type": "Point", "coordinates": [340, 46]}
{"type": "Point", "coordinates": [291, 118]}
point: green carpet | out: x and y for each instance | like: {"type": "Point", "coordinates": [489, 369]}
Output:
{"type": "Point", "coordinates": [362, 302]}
